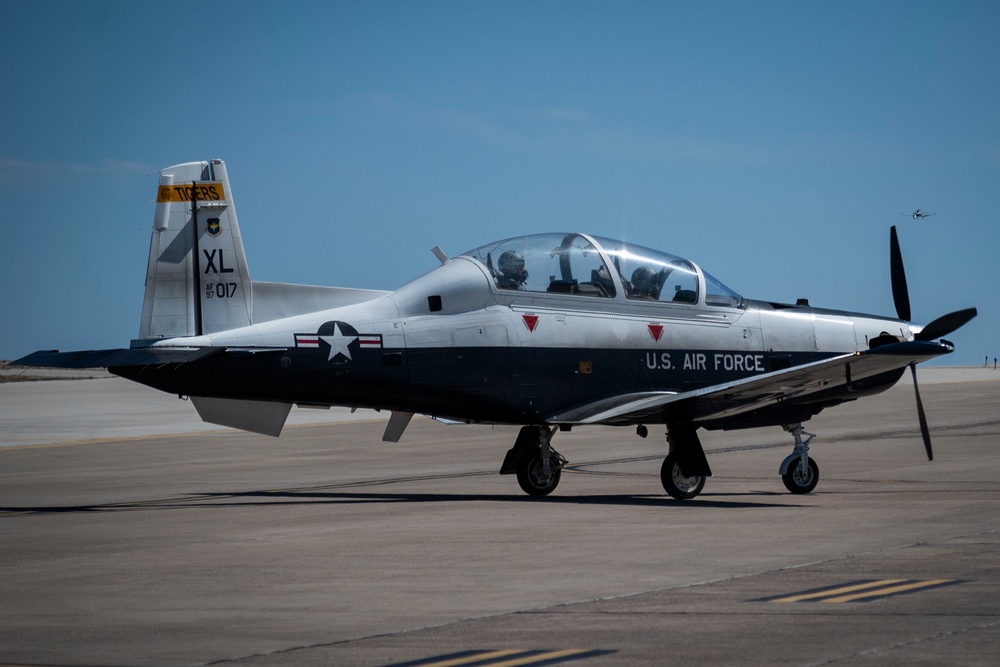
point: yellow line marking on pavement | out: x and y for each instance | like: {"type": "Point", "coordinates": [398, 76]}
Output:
{"type": "Point", "coordinates": [889, 591]}
{"type": "Point", "coordinates": [506, 658]}
{"type": "Point", "coordinates": [477, 657]}
{"type": "Point", "coordinates": [541, 657]}
{"type": "Point", "coordinates": [836, 591]}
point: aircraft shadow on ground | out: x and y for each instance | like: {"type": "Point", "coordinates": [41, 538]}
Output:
{"type": "Point", "coordinates": [310, 497]}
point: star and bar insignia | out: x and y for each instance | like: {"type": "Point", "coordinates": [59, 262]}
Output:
{"type": "Point", "coordinates": [341, 339]}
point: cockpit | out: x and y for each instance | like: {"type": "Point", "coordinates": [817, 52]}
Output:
{"type": "Point", "coordinates": [597, 267]}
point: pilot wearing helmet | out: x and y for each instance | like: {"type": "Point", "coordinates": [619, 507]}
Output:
{"type": "Point", "coordinates": [512, 274]}
{"type": "Point", "coordinates": [644, 283]}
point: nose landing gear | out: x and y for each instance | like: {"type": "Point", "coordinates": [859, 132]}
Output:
{"type": "Point", "coordinates": [799, 473]}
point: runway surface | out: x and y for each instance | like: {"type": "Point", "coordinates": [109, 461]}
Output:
{"type": "Point", "coordinates": [142, 545]}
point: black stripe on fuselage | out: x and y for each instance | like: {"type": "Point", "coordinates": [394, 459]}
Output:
{"type": "Point", "coordinates": [504, 384]}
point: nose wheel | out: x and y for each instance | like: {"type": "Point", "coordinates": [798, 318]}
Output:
{"type": "Point", "coordinates": [801, 481]}
{"type": "Point", "coordinates": [798, 471]}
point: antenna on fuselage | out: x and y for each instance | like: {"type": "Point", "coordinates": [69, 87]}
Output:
{"type": "Point", "coordinates": [443, 258]}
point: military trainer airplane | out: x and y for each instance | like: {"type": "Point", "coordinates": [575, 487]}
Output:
{"type": "Point", "coordinates": [546, 331]}
{"type": "Point", "coordinates": [919, 215]}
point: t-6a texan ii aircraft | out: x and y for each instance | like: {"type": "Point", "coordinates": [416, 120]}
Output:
{"type": "Point", "coordinates": [547, 331]}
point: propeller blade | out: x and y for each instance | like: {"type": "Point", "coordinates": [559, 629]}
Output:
{"type": "Point", "coordinates": [924, 431]}
{"type": "Point", "coordinates": [900, 294]}
{"type": "Point", "coordinates": [945, 324]}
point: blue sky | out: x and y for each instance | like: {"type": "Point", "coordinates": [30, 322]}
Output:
{"type": "Point", "coordinates": [772, 142]}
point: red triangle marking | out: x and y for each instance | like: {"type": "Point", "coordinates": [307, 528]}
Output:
{"type": "Point", "coordinates": [530, 321]}
{"type": "Point", "coordinates": [656, 330]}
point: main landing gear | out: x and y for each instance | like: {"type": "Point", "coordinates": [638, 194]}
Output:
{"type": "Point", "coordinates": [685, 469]}
{"type": "Point", "coordinates": [538, 467]}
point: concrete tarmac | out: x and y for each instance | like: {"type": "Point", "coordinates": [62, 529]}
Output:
{"type": "Point", "coordinates": [327, 546]}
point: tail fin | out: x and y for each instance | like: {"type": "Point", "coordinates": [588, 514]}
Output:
{"type": "Point", "coordinates": [196, 280]}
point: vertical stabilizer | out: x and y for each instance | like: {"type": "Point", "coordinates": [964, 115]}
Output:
{"type": "Point", "coordinates": [196, 280]}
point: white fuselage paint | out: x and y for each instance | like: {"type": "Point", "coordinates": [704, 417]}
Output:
{"type": "Point", "coordinates": [474, 313]}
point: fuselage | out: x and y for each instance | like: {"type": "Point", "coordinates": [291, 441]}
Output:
{"type": "Point", "coordinates": [461, 344]}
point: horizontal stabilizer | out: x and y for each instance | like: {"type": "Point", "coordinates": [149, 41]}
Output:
{"type": "Point", "coordinates": [115, 358]}
{"type": "Point", "coordinates": [261, 417]}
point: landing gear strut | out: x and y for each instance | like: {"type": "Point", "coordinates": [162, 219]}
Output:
{"type": "Point", "coordinates": [799, 472]}
{"type": "Point", "coordinates": [685, 469]}
{"type": "Point", "coordinates": [538, 467]}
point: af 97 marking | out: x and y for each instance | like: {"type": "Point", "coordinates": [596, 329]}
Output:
{"type": "Point", "coordinates": [221, 290]}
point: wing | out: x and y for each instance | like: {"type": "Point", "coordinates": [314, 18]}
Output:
{"type": "Point", "coordinates": [799, 385]}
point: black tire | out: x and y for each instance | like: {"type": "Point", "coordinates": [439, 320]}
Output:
{"type": "Point", "coordinates": [531, 478]}
{"type": "Point", "coordinates": [676, 483]}
{"type": "Point", "coordinates": [796, 483]}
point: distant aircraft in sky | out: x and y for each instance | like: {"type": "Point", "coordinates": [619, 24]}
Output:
{"type": "Point", "coordinates": [919, 215]}
{"type": "Point", "coordinates": [549, 332]}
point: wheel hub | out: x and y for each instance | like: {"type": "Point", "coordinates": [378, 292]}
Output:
{"type": "Point", "coordinates": [802, 477]}
{"type": "Point", "coordinates": [684, 483]}
{"type": "Point", "coordinates": [540, 473]}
